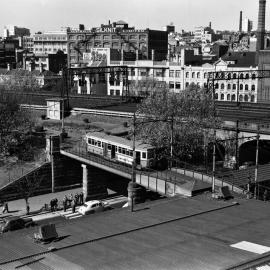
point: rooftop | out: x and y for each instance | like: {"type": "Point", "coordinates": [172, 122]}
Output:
{"type": "Point", "coordinates": [177, 233]}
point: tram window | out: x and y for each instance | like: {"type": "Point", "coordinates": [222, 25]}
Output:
{"type": "Point", "coordinates": [124, 151]}
{"type": "Point", "coordinates": [99, 143]}
{"type": "Point", "coordinates": [89, 141]}
{"type": "Point", "coordinates": [95, 143]}
{"type": "Point", "coordinates": [116, 148]}
{"type": "Point", "coordinates": [119, 150]}
{"type": "Point", "coordinates": [102, 144]}
{"type": "Point", "coordinates": [143, 154]}
{"type": "Point", "coordinates": [92, 141]}
{"type": "Point", "coordinates": [109, 146]}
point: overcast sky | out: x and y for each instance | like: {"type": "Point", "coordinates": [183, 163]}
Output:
{"type": "Point", "coordinates": [40, 15]}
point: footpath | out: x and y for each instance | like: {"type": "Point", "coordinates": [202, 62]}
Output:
{"type": "Point", "coordinates": [18, 207]}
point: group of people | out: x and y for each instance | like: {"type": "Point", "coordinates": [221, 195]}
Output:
{"type": "Point", "coordinates": [54, 204]}
{"type": "Point", "coordinates": [72, 201]}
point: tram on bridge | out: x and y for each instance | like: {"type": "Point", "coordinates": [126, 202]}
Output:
{"type": "Point", "coordinates": [120, 149]}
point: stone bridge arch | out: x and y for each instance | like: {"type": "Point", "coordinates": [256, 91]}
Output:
{"type": "Point", "coordinates": [247, 152]}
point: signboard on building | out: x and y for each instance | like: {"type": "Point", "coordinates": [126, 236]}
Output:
{"type": "Point", "coordinates": [97, 54]}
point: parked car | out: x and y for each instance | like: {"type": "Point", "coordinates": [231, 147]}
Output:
{"type": "Point", "coordinates": [15, 223]}
{"type": "Point", "coordinates": [91, 207]}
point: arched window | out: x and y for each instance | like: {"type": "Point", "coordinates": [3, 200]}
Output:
{"type": "Point", "coordinates": [222, 96]}
{"type": "Point", "coordinates": [205, 75]}
{"type": "Point", "coordinates": [240, 98]}
{"type": "Point", "coordinates": [246, 87]}
{"type": "Point", "coordinates": [233, 97]}
{"type": "Point", "coordinates": [247, 76]}
{"type": "Point", "coordinates": [216, 86]}
{"type": "Point", "coordinates": [253, 87]}
{"type": "Point", "coordinates": [187, 74]}
{"type": "Point", "coordinates": [229, 76]}
{"type": "Point", "coordinates": [234, 86]}
{"type": "Point", "coordinates": [222, 86]}
{"type": "Point", "coordinates": [241, 86]}
{"type": "Point", "coordinates": [246, 98]}
{"type": "Point", "coordinates": [187, 84]}
{"type": "Point", "coordinates": [193, 75]}
{"type": "Point", "coordinates": [216, 95]}
{"type": "Point", "coordinates": [234, 76]}
{"type": "Point", "coordinates": [228, 97]}
{"type": "Point", "coordinates": [229, 86]}
{"type": "Point", "coordinates": [252, 99]}
{"type": "Point", "coordinates": [253, 76]}
{"type": "Point", "coordinates": [241, 76]}
{"type": "Point", "coordinates": [198, 75]}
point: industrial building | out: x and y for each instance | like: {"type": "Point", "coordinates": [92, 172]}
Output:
{"type": "Point", "coordinates": [118, 35]}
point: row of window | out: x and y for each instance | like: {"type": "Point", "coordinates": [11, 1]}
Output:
{"type": "Point", "coordinates": [49, 49]}
{"type": "Point", "coordinates": [175, 73]}
{"type": "Point", "coordinates": [234, 86]}
{"type": "Point", "coordinates": [197, 75]}
{"type": "Point", "coordinates": [108, 37]}
{"type": "Point", "coordinates": [50, 38]}
{"type": "Point", "coordinates": [229, 97]}
{"type": "Point", "coordinates": [118, 149]}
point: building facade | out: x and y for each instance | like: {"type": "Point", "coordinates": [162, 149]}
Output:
{"type": "Point", "coordinates": [15, 31]}
{"type": "Point", "coordinates": [28, 43]}
{"type": "Point", "coordinates": [118, 36]}
{"type": "Point", "coordinates": [50, 42]}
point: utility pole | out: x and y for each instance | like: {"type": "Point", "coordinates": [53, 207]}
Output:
{"type": "Point", "coordinates": [133, 163]}
{"type": "Point", "coordinates": [214, 163]}
{"type": "Point", "coordinates": [236, 146]}
{"type": "Point", "coordinates": [63, 115]}
{"type": "Point", "coordinates": [171, 143]}
{"type": "Point", "coordinates": [257, 164]}
{"type": "Point", "coordinates": [52, 162]}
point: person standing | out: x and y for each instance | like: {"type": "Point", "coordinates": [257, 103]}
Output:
{"type": "Point", "coordinates": [65, 203]}
{"type": "Point", "coordinates": [73, 205]}
{"type": "Point", "coordinates": [5, 207]}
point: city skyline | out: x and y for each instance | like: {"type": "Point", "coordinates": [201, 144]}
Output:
{"type": "Point", "coordinates": [43, 15]}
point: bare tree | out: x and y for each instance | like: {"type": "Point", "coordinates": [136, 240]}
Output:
{"type": "Point", "coordinates": [175, 122]}
{"type": "Point", "coordinates": [28, 185]}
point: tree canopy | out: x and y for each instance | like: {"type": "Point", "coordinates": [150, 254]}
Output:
{"type": "Point", "coordinates": [14, 124]}
{"type": "Point", "coordinates": [187, 114]}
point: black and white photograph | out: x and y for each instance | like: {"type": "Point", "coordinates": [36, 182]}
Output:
{"type": "Point", "coordinates": [135, 135]}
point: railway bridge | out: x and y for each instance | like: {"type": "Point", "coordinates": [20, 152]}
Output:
{"type": "Point", "coordinates": [166, 183]}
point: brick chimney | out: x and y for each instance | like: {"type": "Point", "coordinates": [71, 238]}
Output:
{"type": "Point", "coordinates": [240, 22]}
{"type": "Point", "coordinates": [261, 26]}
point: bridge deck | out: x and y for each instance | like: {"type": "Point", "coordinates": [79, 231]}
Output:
{"type": "Point", "coordinates": [164, 182]}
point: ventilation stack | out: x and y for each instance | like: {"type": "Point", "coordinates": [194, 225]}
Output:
{"type": "Point", "coordinates": [261, 25]}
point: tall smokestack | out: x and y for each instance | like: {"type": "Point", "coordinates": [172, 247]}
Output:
{"type": "Point", "coordinates": [261, 25]}
{"type": "Point", "coordinates": [240, 22]}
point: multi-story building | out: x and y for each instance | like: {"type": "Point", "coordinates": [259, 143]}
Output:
{"type": "Point", "coordinates": [28, 43]}
{"type": "Point", "coordinates": [52, 62]}
{"type": "Point", "coordinates": [8, 52]}
{"type": "Point", "coordinates": [179, 75]}
{"type": "Point", "coordinates": [120, 36]}
{"type": "Point", "coordinates": [50, 42]}
{"type": "Point", "coordinates": [15, 31]}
